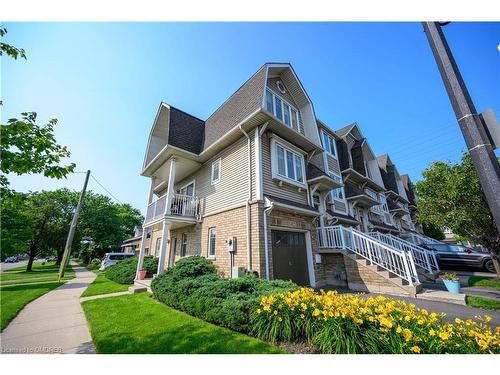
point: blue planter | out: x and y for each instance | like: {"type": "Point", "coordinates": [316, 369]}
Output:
{"type": "Point", "coordinates": [453, 286]}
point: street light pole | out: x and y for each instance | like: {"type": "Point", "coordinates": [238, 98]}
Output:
{"type": "Point", "coordinates": [72, 229]}
{"type": "Point", "coordinates": [478, 144]}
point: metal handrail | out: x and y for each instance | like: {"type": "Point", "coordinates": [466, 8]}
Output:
{"type": "Point", "coordinates": [398, 262]}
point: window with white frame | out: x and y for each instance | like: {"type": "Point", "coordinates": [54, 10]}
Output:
{"type": "Point", "coordinates": [215, 176]}
{"type": "Point", "coordinates": [329, 144]}
{"type": "Point", "coordinates": [212, 233]}
{"type": "Point", "coordinates": [157, 247]}
{"type": "Point", "coordinates": [383, 202]}
{"type": "Point", "coordinates": [184, 242]}
{"type": "Point", "coordinates": [338, 193]}
{"type": "Point", "coordinates": [289, 164]}
{"type": "Point", "coordinates": [282, 110]}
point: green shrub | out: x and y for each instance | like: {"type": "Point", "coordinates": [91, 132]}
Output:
{"type": "Point", "coordinates": [124, 271]}
{"type": "Point", "coordinates": [193, 286]}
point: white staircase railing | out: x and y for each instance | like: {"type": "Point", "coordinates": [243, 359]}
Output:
{"type": "Point", "coordinates": [419, 239]}
{"type": "Point", "coordinates": [423, 258]}
{"type": "Point", "coordinates": [398, 262]}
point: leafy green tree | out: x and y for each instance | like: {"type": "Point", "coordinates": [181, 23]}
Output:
{"type": "Point", "coordinates": [16, 223]}
{"type": "Point", "coordinates": [450, 195]}
{"type": "Point", "coordinates": [29, 148]}
{"type": "Point", "coordinates": [433, 231]}
{"type": "Point", "coordinates": [38, 223]}
{"type": "Point", "coordinates": [11, 51]}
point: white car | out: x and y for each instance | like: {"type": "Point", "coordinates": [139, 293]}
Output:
{"type": "Point", "coordinates": [113, 258]}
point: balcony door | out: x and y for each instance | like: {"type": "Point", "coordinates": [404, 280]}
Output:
{"type": "Point", "coordinates": [187, 190]}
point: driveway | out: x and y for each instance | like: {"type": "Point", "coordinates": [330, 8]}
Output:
{"type": "Point", "coordinates": [53, 323]}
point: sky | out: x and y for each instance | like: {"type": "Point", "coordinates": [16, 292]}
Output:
{"type": "Point", "coordinates": [105, 81]}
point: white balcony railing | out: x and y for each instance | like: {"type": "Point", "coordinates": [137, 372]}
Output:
{"type": "Point", "coordinates": [180, 205]}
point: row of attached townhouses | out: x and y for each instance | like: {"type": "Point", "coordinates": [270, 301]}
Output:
{"type": "Point", "coordinates": [264, 186]}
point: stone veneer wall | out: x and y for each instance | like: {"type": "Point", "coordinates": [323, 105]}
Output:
{"type": "Point", "coordinates": [331, 271]}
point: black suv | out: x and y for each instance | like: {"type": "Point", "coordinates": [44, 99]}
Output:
{"type": "Point", "coordinates": [450, 256]}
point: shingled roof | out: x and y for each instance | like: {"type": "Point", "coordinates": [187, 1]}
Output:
{"type": "Point", "coordinates": [186, 131]}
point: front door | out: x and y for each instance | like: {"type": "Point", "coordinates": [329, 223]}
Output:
{"type": "Point", "coordinates": [289, 256]}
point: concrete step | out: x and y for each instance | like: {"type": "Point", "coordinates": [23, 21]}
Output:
{"type": "Point", "coordinates": [137, 289]}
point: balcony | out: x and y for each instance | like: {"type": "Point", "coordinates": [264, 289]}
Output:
{"type": "Point", "coordinates": [397, 208]}
{"type": "Point", "coordinates": [364, 198]}
{"type": "Point", "coordinates": [182, 208]}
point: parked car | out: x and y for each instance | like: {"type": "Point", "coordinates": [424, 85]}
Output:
{"type": "Point", "coordinates": [51, 259]}
{"type": "Point", "coordinates": [12, 259]}
{"type": "Point", "coordinates": [113, 258]}
{"type": "Point", "coordinates": [451, 256]}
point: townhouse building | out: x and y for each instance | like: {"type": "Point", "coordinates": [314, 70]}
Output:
{"type": "Point", "coordinates": [263, 186]}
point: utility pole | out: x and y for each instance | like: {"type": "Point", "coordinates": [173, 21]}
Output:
{"type": "Point", "coordinates": [478, 144]}
{"type": "Point", "coordinates": [72, 229]}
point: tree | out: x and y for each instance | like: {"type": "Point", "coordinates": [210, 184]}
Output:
{"type": "Point", "coordinates": [29, 148]}
{"type": "Point", "coordinates": [38, 223]}
{"type": "Point", "coordinates": [433, 231]}
{"type": "Point", "coordinates": [8, 49]}
{"type": "Point", "coordinates": [450, 195]}
{"type": "Point", "coordinates": [16, 223]}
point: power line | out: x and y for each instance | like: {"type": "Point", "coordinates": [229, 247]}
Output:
{"type": "Point", "coordinates": [102, 186]}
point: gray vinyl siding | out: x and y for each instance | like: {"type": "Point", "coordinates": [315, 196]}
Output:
{"type": "Point", "coordinates": [271, 187]}
{"type": "Point", "coordinates": [232, 189]}
{"type": "Point", "coordinates": [333, 165]}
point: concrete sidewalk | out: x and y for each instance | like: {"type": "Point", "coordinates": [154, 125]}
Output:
{"type": "Point", "coordinates": [53, 323]}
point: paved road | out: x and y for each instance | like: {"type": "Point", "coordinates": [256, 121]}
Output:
{"type": "Point", "coordinates": [6, 266]}
{"type": "Point", "coordinates": [53, 323]}
{"type": "Point", "coordinates": [468, 290]}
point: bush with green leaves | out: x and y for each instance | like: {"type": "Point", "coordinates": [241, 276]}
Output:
{"type": "Point", "coordinates": [124, 271]}
{"type": "Point", "coordinates": [192, 285]}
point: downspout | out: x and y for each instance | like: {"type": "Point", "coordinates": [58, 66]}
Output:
{"type": "Point", "coordinates": [266, 245]}
{"type": "Point", "coordinates": [247, 203]}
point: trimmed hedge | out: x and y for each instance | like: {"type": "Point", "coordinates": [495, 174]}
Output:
{"type": "Point", "coordinates": [192, 286]}
{"type": "Point", "coordinates": [124, 271]}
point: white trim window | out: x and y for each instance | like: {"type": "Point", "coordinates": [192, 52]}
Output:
{"type": "Point", "coordinates": [329, 144]}
{"type": "Point", "coordinates": [184, 242]}
{"type": "Point", "coordinates": [212, 235]}
{"type": "Point", "coordinates": [337, 194]}
{"type": "Point", "coordinates": [316, 200]}
{"type": "Point", "coordinates": [215, 175]}
{"type": "Point", "coordinates": [288, 164]}
{"type": "Point", "coordinates": [283, 110]}
{"type": "Point", "coordinates": [157, 247]}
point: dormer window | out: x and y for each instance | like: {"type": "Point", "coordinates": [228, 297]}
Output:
{"type": "Point", "coordinates": [329, 144]}
{"type": "Point", "coordinates": [283, 110]}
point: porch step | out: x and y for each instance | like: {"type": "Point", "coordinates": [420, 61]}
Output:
{"type": "Point", "coordinates": [394, 284]}
{"type": "Point", "coordinates": [137, 289]}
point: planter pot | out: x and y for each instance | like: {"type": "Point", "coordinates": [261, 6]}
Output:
{"type": "Point", "coordinates": [453, 286]}
{"type": "Point", "coordinates": [141, 275]}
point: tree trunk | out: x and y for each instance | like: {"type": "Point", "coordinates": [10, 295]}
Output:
{"type": "Point", "coordinates": [30, 262]}
{"type": "Point", "coordinates": [60, 254]}
{"type": "Point", "coordinates": [496, 263]}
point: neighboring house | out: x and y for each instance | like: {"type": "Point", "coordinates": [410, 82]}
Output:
{"type": "Point", "coordinates": [263, 185]}
{"type": "Point", "coordinates": [133, 244]}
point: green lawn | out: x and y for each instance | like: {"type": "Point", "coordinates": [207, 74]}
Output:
{"type": "Point", "coordinates": [13, 298]}
{"type": "Point", "coordinates": [484, 281]}
{"type": "Point", "coordinates": [103, 285]}
{"type": "Point", "coordinates": [483, 302]}
{"type": "Point", "coordinates": [45, 272]}
{"type": "Point", "coordinates": [139, 324]}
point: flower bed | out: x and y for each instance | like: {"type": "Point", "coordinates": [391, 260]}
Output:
{"type": "Point", "coordinates": [351, 324]}
{"type": "Point", "coordinates": [192, 285]}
